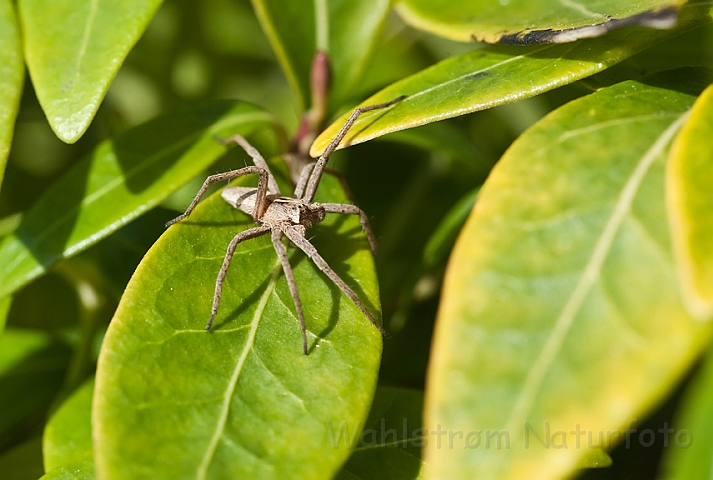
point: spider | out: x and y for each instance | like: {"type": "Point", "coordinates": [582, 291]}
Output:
{"type": "Point", "coordinates": [289, 216]}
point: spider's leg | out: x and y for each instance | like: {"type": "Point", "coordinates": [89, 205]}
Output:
{"type": "Point", "coordinates": [354, 210]}
{"type": "Point", "coordinates": [289, 275]}
{"type": "Point", "coordinates": [242, 236]}
{"type": "Point", "coordinates": [258, 160]}
{"type": "Point", "coordinates": [322, 161]}
{"type": "Point", "coordinates": [304, 176]}
{"type": "Point", "coordinates": [302, 181]}
{"type": "Point", "coordinates": [260, 205]}
{"type": "Point", "coordinates": [303, 244]}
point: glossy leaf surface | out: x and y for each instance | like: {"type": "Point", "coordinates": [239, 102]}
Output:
{"type": "Point", "coordinates": [68, 434]}
{"type": "Point", "coordinates": [73, 50]}
{"type": "Point", "coordinates": [389, 446]}
{"type": "Point", "coordinates": [346, 29]}
{"type": "Point", "coordinates": [690, 207]}
{"type": "Point", "coordinates": [528, 21]}
{"type": "Point", "coordinates": [123, 178]}
{"type": "Point", "coordinates": [12, 72]}
{"type": "Point", "coordinates": [494, 76]}
{"type": "Point", "coordinates": [243, 401]}
{"type": "Point", "coordinates": [561, 310]}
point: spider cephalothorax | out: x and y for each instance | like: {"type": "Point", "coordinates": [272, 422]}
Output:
{"type": "Point", "coordinates": [289, 216]}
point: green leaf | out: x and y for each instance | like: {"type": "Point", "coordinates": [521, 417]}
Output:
{"type": "Point", "coordinates": [243, 401]}
{"type": "Point", "coordinates": [68, 434]}
{"type": "Point", "coordinates": [4, 309]}
{"type": "Point", "coordinates": [494, 76]}
{"type": "Point", "coordinates": [527, 21]}
{"type": "Point", "coordinates": [390, 444]}
{"type": "Point", "coordinates": [73, 51]}
{"type": "Point", "coordinates": [561, 311]}
{"type": "Point", "coordinates": [122, 179]}
{"type": "Point", "coordinates": [595, 458]}
{"type": "Point", "coordinates": [691, 439]}
{"type": "Point", "coordinates": [346, 29]}
{"type": "Point", "coordinates": [690, 207]}
{"type": "Point", "coordinates": [82, 469]}
{"type": "Point", "coordinates": [12, 73]}
{"type": "Point", "coordinates": [32, 367]}
{"type": "Point", "coordinates": [23, 462]}
{"type": "Point", "coordinates": [443, 238]}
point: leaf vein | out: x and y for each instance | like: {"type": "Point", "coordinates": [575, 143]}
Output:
{"type": "Point", "coordinates": [535, 377]}
{"type": "Point", "coordinates": [233, 383]}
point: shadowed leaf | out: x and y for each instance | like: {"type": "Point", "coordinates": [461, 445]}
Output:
{"type": "Point", "coordinates": [689, 456]}
{"type": "Point", "coordinates": [390, 444]}
{"type": "Point", "coordinates": [346, 29]}
{"type": "Point", "coordinates": [122, 179]}
{"type": "Point", "coordinates": [68, 434]}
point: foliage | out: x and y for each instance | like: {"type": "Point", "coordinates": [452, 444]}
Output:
{"type": "Point", "coordinates": [543, 212]}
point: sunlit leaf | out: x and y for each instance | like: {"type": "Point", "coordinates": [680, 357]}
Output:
{"type": "Point", "coordinates": [494, 76]}
{"type": "Point", "coordinates": [73, 50]}
{"type": "Point", "coordinates": [346, 29]}
{"type": "Point", "coordinates": [690, 451]}
{"type": "Point", "coordinates": [122, 179]}
{"type": "Point", "coordinates": [82, 469]}
{"type": "Point", "coordinates": [539, 21]}
{"type": "Point", "coordinates": [68, 434]}
{"type": "Point", "coordinates": [243, 401]}
{"type": "Point", "coordinates": [690, 206]}
{"type": "Point", "coordinates": [389, 446]}
{"type": "Point", "coordinates": [560, 311]}
{"type": "Point", "coordinates": [12, 72]}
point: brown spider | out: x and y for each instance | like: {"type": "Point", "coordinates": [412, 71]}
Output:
{"type": "Point", "coordinates": [290, 216]}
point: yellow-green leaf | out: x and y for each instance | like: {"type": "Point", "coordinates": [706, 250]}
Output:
{"type": "Point", "coordinates": [68, 434]}
{"type": "Point", "coordinates": [497, 75]}
{"type": "Point", "coordinates": [690, 206]}
{"type": "Point", "coordinates": [73, 50]}
{"type": "Point", "coordinates": [12, 72]}
{"type": "Point", "coordinates": [561, 316]}
{"type": "Point", "coordinates": [534, 21]}
{"type": "Point", "coordinates": [173, 401]}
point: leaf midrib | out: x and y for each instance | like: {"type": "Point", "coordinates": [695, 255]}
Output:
{"type": "Point", "coordinates": [233, 383]}
{"type": "Point", "coordinates": [535, 377]}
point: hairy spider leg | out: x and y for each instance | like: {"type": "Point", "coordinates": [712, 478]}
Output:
{"type": "Point", "coordinates": [260, 204]}
{"type": "Point", "coordinates": [258, 160]}
{"type": "Point", "coordinates": [290, 276]}
{"type": "Point", "coordinates": [353, 210]}
{"type": "Point", "coordinates": [304, 176]}
{"type": "Point", "coordinates": [240, 237]}
{"type": "Point", "coordinates": [322, 161]}
{"type": "Point", "coordinates": [303, 244]}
